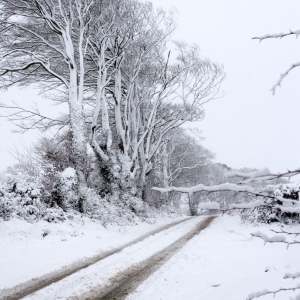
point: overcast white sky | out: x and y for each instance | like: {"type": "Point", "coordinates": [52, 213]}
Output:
{"type": "Point", "coordinates": [248, 127]}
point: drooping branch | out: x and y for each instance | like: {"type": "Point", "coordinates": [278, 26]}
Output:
{"type": "Point", "coordinates": [46, 67]}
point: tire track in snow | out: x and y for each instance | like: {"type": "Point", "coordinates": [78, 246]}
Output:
{"type": "Point", "coordinates": [24, 289]}
{"type": "Point", "coordinates": [126, 282]}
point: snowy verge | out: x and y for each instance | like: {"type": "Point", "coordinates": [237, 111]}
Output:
{"type": "Point", "coordinates": [32, 250]}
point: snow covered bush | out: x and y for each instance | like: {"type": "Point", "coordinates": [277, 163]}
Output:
{"type": "Point", "coordinates": [273, 213]}
{"type": "Point", "coordinates": [116, 209]}
{"type": "Point", "coordinates": [20, 196]}
{"type": "Point", "coordinates": [65, 191]}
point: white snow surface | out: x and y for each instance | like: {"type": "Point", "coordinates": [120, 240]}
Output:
{"type": "Point", "coordinates": [209, 205]}
{"type": "Point", "coordinates": [225, 262]}
{"type": "Point", "coordinates": [99, 274]}
{"type": "Point", "coordinates": [32, 250]}
{"type": "Point", "coordinates": [68, 173]}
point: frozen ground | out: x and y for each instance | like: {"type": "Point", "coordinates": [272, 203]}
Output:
{"type": "Point", "coordinates": [224, 262]}
{"type": "Point", "coordinates": [86, 283]}
{"type": "Point", "coordinates": [32, 250]}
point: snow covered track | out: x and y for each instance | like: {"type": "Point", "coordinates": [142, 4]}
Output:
{"type": "Point", "coordinates": [116, 272]}
{"type": "Point", "coordinates": [35, 284]}
{"type": "Point", "coordinates": [128, 281]}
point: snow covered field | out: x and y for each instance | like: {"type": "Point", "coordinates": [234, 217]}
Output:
{"type": "Point", "coordinates": [223, 262]}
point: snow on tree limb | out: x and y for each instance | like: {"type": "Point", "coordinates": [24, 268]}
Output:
{"type": "Point", "coordinates": [202, 188]}
{"type": "Point", "coordinates": [292, 210]}
{"type": "Point", "coordinates": [228, 187]}
{"type": "Point", "coordinates": [266, 292]}
{"type": "Point", "coordinates": [290, 275]}
{"type": "Point", "coordinates": [274, 36]}
{"type": "Point", "coordinates": [262, 175]}
{"type": "Point", "coordinates": [224, 187]}
{"type": "Point", "coordinates": [286, 232]}
{"type": "Point", "coordinates": [274, 239]}
{"type": "Point", "coordinates": [278, 83]}
{"type": "Point", "coordinates": [277, 35]}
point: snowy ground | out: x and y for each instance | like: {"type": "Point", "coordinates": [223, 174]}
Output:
{"type": "Point", "coordinates": [32, 250]}
{"type": "Point", "coordinates": [224, 262]}
{"type": "Point", "coordinates": [86, 283]}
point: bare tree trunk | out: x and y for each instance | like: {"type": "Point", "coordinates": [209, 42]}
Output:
{"type": "Point", "coordinates": [166, 185]}
{"type": "Point", "coordinates": [192, 205]}
{"type": "Point", "coordinates": [78, 137]}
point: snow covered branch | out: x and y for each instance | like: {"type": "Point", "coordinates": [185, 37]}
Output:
{"type": "Point", "coordinates": [266, 292]}
{"type": "Point", "coordinates": [231, 187]}
{"type": "Point", "coordinates": [286, 232]}
{"type": "Point", "coordinates": [280, 35]}
{"type": "Point", "coordinates": [262, 175]}
{"type": "Point", "coordinates": [290, 275]}
{"type": "Point", "coordinates": [278, 83]}
{"type": "Point", "coordinates": [274, 239]}
{"type": "Point", "coordinates": [277, 35]}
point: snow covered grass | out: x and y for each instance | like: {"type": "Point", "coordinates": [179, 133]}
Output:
{"type": "Point", "coordinates": [30, 250]}
{"type": "Point", "coordinates": [225, 262]}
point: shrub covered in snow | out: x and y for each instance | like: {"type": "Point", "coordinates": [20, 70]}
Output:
{"type": "Point", "coordinates": [115, 208]}
{"type": "Point", "coordinates": [20, 196]}
{"type": "Point", "coordinates": [289, 191]}
{"type": "Point", "coordinates": [24, 196]}
{"type": "Point", "coordinates": [65, 191]}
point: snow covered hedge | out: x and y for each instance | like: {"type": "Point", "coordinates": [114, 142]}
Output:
{"type": "Point", "coordinates": [25, 197]}
{"type": "Point", "coordinates": [288, 191]}
{"type": "Point", "coordinates": [21, 196]}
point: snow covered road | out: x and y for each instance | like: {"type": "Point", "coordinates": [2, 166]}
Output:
{"type": "Point", "coordinates": [92, 282]}
{"type": "Point", "coordinates": [31, 260]}
{"type": "Point", "coordinates": [225, 263]}
{"type": "Point", "coordinates": [168, 233]}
